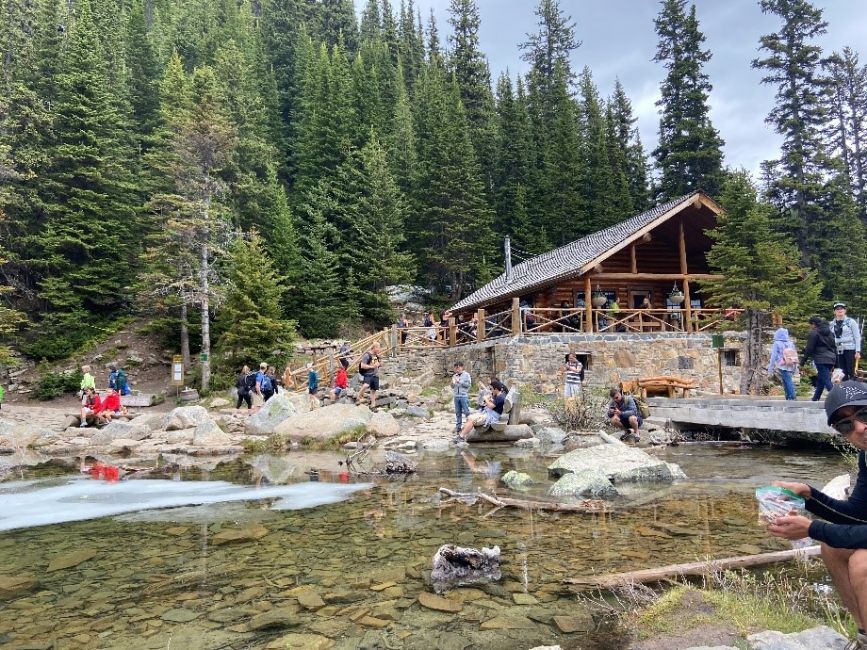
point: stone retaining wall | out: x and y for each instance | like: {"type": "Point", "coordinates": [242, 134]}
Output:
{"type": "Point", "coordinates": [536, 360]}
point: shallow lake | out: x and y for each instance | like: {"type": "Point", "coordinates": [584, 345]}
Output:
{"type": "Point", "coordinates": [225, 563]}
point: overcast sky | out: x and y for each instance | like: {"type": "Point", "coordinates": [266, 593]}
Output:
{"type": "Point", "coordinates": [618, 40]}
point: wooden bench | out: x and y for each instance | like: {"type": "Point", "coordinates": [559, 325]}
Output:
{"type": "Point", "coordinates": [667, 386]}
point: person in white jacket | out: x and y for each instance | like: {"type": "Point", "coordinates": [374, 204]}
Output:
{"type": "Point", "coordinates": [847, 335]}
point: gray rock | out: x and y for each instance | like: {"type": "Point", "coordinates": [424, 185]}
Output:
{"type": "Point", "coordinates": [15, 436]}
{"type": "Point", "coordinates": [417, 411]}
{"type": "Point", "coordinates": [712, 647]}
{"type": "Point", "coordinates": [435, 445]}
{"type": "Point", "coordinates": [517, 480]}
{"type": "Point", "coordinates": [620, 463]}
{"type": "Point", "coordinates": [383, 425]}
{"type": "Point", "coordinates": [185, 417]}
{"type": "Point", "coordinates": [272, 413]}
{"type": "Point", "coordinates": [118, 430]}
{"type": "Point", "coordinates": [528, 442]}
{"type": "Point", "coordinates": [208, 434]}
{"type": "Point", "coordinates": [551, 435]}
{"type": "Point", "coordinates": [586, 483]}
{"type": "Point", "coordinates": [816, 638]}
{"type": "Point", "coordinates": [325, 423]}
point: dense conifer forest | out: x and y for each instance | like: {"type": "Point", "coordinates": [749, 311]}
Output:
{"type": "Point", "coordinates": [265, 167]}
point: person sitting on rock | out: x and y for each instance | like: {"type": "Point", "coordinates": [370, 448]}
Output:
{"type": "Point", "coordinates": [489, 415]}
{"type": "Point", "coordinates": [341, 383]}
{"type": "Point", "coordinates": [623, 413]}
{"type": "Point", "coordinates": [843, 534]}
{"type": "Point", "coordinates": [90, 404]}
{"type": "Point", "coordinates": [110, 407]}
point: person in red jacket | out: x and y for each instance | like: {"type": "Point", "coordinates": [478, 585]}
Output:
{"type": "Point", "coordinates": [110, 407]}
{"type": "Point", "coordinates": [341, 383]}
{"type": "Point", "coordinates": [90, 404]}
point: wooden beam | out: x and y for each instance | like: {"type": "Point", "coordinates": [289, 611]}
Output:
{"type": "Point", "coordinates": [681, 247]}
{"type": "Point", "coordinates": [588, 305]}
{"type": "Point", "coordinates": [700, 568]}
{"type": "Point", "coordinates": [653, 276]}
{"type": "Point", "coordinates": [453, 331]}
{"type": "Point", "coordinates": [633, 261]}
{"type": "Point", "coordinates": [480, 327]}
{"type": "Point", "coordinates": [688, 303]}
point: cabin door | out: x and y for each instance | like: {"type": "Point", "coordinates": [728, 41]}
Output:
{"type": "Point", "coordinates": [636, 297]}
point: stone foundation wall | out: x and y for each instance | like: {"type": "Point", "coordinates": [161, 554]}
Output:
{"type": "Point", "coordinates": [535, 360]}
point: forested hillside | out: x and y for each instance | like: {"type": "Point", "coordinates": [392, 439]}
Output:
{"type": "Point", "coordinates": [279, 162]}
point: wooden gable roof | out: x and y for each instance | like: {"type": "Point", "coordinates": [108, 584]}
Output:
{"type": "Point", "coordinates": [580, 256]}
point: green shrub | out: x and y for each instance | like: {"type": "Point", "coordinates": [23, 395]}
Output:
{"type": "Point", "coordinates": [54, 384]}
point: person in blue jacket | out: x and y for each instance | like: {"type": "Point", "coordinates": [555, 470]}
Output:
{"type": "Point", "coordinates": [843, 533]}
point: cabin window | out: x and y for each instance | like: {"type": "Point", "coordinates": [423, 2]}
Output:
{"type": "Point", "coordinates": [730, 357]}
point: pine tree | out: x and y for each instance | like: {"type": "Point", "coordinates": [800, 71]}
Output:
{"type": "Point", "coordinates": [689, 153]}
{"type": "Point", "coordinates": [473, 76]}
{"type": "Point", "coordinates": [597, 181]}
{"type": "Point", "coordinates": [848, 106]}
{"type": "Point", "coordinates": [793, 63]}
{"type": "Point", "coordinates": [759, 269]}
{"type": "Point", "coordinates": [89, 250]}
{"type": "Point", "coordinates": [629, 146]}
{"type": "Point", "coordinates": [194, 223]}
{"type": "Point", "coordinates": [338, 24]}
{"type": "Point", "coordinates": [251, 319]}
{"type": "Point", "coordinates": [551, 46]}
{"type": "Point", "coordinates": [401, 141]}
{"type": "Point", "coordinates": [143, 77]}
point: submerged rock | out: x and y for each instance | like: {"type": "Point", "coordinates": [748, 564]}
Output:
{"type": "Point", "coordinates": [15, 586]}
{"type": "Point", "coordinates": [70, 560]}
{"type": "Point", "coordinates": [551, 435]}
{"type": "Point", "coordinates": [586, 483]}
{"type": "Point", "coordinates": [249, 534]}
{"type": "Point", "coordinates": [438, 603]}
{"type": "Point", "coordinates": [455, 566]}
{"type": "Point", "coordinates": [516, 480]}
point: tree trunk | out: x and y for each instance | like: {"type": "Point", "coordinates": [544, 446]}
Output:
{"type": "Point", "coordinates": [206, 319]}
{"type": "Point", "coordinates": [751, 375]}
{"type": "Point", "coordinates": [185, 337]}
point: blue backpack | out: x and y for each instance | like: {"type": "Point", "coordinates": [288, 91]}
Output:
{"type": "Point", "coordinates": [267, 386]}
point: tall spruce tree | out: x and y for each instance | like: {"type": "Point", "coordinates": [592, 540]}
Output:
{"type": "Point", "coordinates": [793, 63]}
{"type": "Point", "coordinates": [551, 46]}
{"type": "Point", "coordinates": [629, 147]}
{"type": "Point", "coordinates": [758, 270]}
{"type": "Point", "coordinates": [848, 107]}
{"type": "Point", "coordinates": [88, 244]}
{"type": "Point", "coordinates": [597, 180]}
{"type": "Point", "coordinates": [689, 153]}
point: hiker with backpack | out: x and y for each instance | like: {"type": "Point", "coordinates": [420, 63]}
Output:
{"type": "Point", "coordinates": [245, 384]}
{"type": "Point", "coordinates": [117, 380]}
{"type": "Point", "coordinates": [784, 361]}
{"type": "Point", "coordinates": [822, 348]}
{"type": "Point", "coordinates": [847, 336]}
{"type": "Point", "coordinates": [264, 384]}
{"type": "Point", "coordinates": [624, 414]}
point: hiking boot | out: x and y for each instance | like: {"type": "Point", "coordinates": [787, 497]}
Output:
{"type": "Point", "coordinates": [459, 440]}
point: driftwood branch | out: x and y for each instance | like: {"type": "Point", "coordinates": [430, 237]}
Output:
{"type": "Point", "coordinates": [693, 568]}
{"type": "Point", "coordinates": [587, 505]}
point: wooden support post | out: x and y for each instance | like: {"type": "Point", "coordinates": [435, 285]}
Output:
{"type": "Point", "coordinates": [588, 305]}
{"type": "Point", "coordinates": [681, 246]}
{"type": "Point", "coordinates": [453, 331]}
{"type": "Point", "coordinates": [633, 260]}
{"type": "Point", "coordinates": [516, 317]}
{"type": "Point", "coordinates": [395, 337]}
{"type": "Point", "coordinates": [480, 331]}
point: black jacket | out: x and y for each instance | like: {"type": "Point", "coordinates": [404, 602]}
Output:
{"type": "Point", "coordinates": [820, 346]}
{"type": "Point", "coordinates": [846, 521]}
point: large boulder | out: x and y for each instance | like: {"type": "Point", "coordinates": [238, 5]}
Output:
{"type": "Point", "coordinates": [15, 436]}
{"type": "Point", "coordinates": [325, 423]}
{"type": "Point", "coordinates": [618, 462]}
{"type": "Point", "coordinates": [210, 436]}
{"type": "Point", "coordinates": [816, 637]}
{"type": "Point", "coordinates": [587, 483]}
{"type": "Point", "coordinates": [185, 417]}
{"type": "Point", "coordinates": [272, 413]}
{"type": "Point", "coordinates": [383, 425]}
{"type": "Point", "coordinates": [120, 430]}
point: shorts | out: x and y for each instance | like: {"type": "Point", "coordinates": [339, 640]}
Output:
{"type": "Point", "coordinates": [372, 381]}
{"type": "Point", "coordinates": [484, 418]}
{"type": "Point", "coordinates": [624, 420]}
{"type": "Point", "coordinates": [572, 390]}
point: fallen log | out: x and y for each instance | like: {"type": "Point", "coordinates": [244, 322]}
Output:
{"type": "Point", "coordinates": [586, 505]}
{"type": "Point", "coordinates": [700, 568]}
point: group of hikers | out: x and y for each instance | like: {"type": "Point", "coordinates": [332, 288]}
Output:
{"type": "Point", "coordinates": [834, 348]}
{"type": "Point", "coordinates": [256, 388]}
{"type": "Point", "coordinates": [100, 409]}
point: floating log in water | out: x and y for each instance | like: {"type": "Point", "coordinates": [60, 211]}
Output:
{"type": "Point", "coordinates": [587, 505]}
{"type": "Point", "coordinates": [693, 568]}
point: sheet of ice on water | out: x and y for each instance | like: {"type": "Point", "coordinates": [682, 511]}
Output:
{"type": "Point", "coordinates": [27, 504]}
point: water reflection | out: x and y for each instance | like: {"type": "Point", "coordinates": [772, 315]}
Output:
{"type": "Point", "coordinates": [238, 575]}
